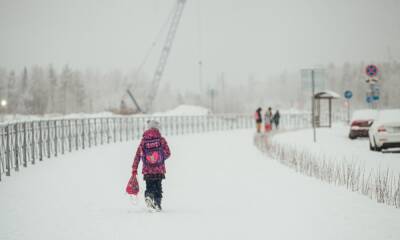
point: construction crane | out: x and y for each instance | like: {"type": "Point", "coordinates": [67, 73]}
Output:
{"type": "Point", "coordinates": [180, 5]}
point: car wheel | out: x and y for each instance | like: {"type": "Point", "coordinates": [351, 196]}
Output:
{"type": "Point", "coordinates": [370, 146]}
{"type": "Point", "coordinates": [376, 147]}
{"type": "Point", "coordinates": [352, 137]}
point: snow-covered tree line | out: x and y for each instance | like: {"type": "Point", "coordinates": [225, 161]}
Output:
{"type": "Point", "coordinates": [39, 90]}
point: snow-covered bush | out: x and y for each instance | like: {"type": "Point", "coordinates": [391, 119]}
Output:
{"type": "Point", "coordinates": [383, 186]}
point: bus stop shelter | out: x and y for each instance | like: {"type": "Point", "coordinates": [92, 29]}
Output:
{"type": "Point", "coordinates": [318, 99]}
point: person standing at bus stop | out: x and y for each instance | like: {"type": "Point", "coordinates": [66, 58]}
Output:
{"type": "Point", "coordinates": [258, 119]}
{"type": "Point", "coordinates": [276, 118]}
{"type": "Point", "coordinates": [268, 120]}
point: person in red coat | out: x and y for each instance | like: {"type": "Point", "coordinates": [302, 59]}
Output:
{"type": "Point", "coordinates": [153, 150]}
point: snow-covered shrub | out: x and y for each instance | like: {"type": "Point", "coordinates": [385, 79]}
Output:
{"type": "Point", "coordinates": [383, 186]}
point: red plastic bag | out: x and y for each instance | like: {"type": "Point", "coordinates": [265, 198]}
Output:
{"type": "Point", "coordinates": [132, 188]}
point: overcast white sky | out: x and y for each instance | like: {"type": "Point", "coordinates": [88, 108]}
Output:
{"type": "Point", "coordinates": [237, 37]}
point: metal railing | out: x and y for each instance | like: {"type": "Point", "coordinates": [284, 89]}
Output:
{"type": "Point", "coordinates": [25, 143]}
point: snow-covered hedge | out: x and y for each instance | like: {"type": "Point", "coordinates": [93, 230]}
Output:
{"type": "Point", "coordinates": [381, 185]}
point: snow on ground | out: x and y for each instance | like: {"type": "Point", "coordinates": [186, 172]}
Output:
{"type": "Point", "coordinates": [218, 186]}
{"type": "Point", "coordinates": [335, 144]}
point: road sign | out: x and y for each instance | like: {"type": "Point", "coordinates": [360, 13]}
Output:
{"type": "Point", "coordinates": [371, 70]}
{"type": "Point", "coordinates": [369, 99]}
{"type": "Point", "coordinates": [348, 94]}
{"type": "Point", "coordinates": [375, 91]}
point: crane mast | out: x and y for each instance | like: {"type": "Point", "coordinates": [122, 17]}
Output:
{"type": "Point", "coordinates": [164, 55]}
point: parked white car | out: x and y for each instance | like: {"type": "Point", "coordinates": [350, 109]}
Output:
{"type": "Point", "coordinates": [385, 131]}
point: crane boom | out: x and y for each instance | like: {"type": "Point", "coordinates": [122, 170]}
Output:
{"type": "Point", "coordinates": [165, 53]}
{"type": "Point", "coordinates": [134, 101]}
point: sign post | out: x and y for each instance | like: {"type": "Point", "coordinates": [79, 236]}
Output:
{"type": "Point", "coordinates": [313, 79]}
{"type": "Point", "coordinates": [373, 94]}
{"type": "Point", "coordinates": [348, 95]}
{"type": "Point", "coordinates": [313, 105]}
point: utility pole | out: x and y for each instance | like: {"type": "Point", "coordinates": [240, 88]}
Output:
{"type": "Point", "coordinates": [313, 105]}
{"type": "Point", "coordinates": [201, 76]}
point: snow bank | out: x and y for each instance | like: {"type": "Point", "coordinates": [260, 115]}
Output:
{"type": "Point", "coordinates": [186, 110]}
{"type": "Point", "coordinates": [221, 191]}
{"type": "Point", "coordinates": [334, 144]}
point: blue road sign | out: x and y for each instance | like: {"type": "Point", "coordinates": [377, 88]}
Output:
{"type": "Point", "coordinates": [348, 94]}
{"type": "Point", "coordinates": [369, 99]}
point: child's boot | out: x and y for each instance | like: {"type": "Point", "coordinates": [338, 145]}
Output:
{"type": "Point", "coordinates": [151, 204]}
{"type": "Point", "coordinates": [158, 204]}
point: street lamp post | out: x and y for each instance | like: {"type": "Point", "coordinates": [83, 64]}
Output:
{"type": "Point", "coordinates": [3, 106]}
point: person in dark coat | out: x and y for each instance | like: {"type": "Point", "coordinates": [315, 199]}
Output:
{"type": "Point", "coordinates": [258, 119]}
{"type": "Point", "coordinates": [276, 119]}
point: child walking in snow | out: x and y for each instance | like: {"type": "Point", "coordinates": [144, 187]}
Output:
{"type": "Point", "coordinates": [153, 150]}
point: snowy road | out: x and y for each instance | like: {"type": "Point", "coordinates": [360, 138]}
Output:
{"type": "Point", "coordinates": [218, 186]}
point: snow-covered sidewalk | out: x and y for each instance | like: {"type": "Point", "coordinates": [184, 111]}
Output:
{"type": "Point", "coordinates": [334, 144]}
{"type": "Point", "coordinates": [218, 186]}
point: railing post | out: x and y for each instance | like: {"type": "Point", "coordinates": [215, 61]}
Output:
{"type": "Point", "coordinates": [16, 147]}
{"type": "Point", "coordinates": [40, 141]}
{"type": "Point", "coordinates": [62, 136]}
{"type": "Point", "coordinates": [25, 146]}
{"type": "Point", "coordinates": [108, 130]}
{"type": "Point", "coordinates": [48, 139]}
{"type": "Point", "coordinates": [8, 154]}
{"type": "Point", "coordinates": [101, 131]}
{"type": "Point", "coordinates": [55, 138]}
{"type": "Point", "coordinates": [165, 125]}
{"type": "Point", "coordinates": [76, 135]}
{"type": "Point", "coordinates": [83, 133]}
{"type": "Point", "coordinates": [171, 125]}
{"type": "Point", "coordinates": [132, 130]}
{"type": "Point", "coordinates": [70, 135]}
{"type": "Point", "coordinates": [120, 129]}
{"type": "Point", "coordinates": [33, 144]}
{"type": "Point", "coordinates": [136, 126]}
{"type": "Point", "coordinates": [115, 129]}
{"type": "Point", "coordinates": [182, 124]}
{"type": "Point", "coordinates": [1, 161]}
{"type": "Point", "coordinates": [95, 132]}
{"type": "Point", "coordinates": [89, 132]}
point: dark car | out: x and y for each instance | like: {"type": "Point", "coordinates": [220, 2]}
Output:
{"type": "Point", "coordinates": [361, 122]}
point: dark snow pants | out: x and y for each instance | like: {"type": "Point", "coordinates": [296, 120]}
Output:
{"type": "Point", "coordinates": [154, 188]}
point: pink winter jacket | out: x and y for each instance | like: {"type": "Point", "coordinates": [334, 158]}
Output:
{"type": "Point", "coordinates": [151, 133]}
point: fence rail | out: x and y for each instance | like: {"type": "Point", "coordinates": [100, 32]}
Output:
{"type": "Point", "coordinates": [26, 143]}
